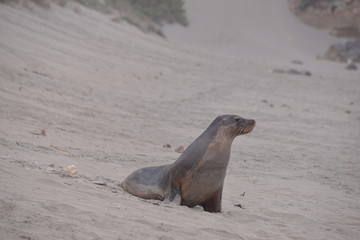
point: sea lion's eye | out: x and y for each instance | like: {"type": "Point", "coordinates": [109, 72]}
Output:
{"type": "Point", "coordinates": [237, 119]}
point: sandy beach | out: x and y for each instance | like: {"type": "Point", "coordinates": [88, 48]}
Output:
{"type": "Point", "coordinates": [77, 88]}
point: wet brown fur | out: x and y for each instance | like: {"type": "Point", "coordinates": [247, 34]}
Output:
{"type": "Point", "coordinates": [197, 177]}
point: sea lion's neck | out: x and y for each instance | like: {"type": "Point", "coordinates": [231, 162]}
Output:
{"type": "Point", "coordinates": [211, 145]}
{"type": "Point", "coordinates": [220, 145]}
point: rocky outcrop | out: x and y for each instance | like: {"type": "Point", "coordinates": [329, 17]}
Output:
{"type": "Point", "coordinates": [341, 16]}
{"type": "Point", "coordinates": [350, 51]}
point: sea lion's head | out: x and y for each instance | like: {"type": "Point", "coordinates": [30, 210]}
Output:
{"type": "Point", "coordinates": [233, 125]}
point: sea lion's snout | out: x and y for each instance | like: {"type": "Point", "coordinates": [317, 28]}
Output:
{"type": "Point", "coordinates": [246, 126]}
{"type": "Point", "coordinates": [251, 122]}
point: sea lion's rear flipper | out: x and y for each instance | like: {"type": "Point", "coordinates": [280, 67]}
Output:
{"type": "Point", "coordinates": [148, 183]}
{"type": "Point", "coordinates": [213, 204]}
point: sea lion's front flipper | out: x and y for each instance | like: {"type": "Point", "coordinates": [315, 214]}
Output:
{"type": "Point", "coordinates": [174, 192]}
{"type": "Point", "coordinates": [175, 198]}
{"type": "Point", "coordinates": [213, 204]}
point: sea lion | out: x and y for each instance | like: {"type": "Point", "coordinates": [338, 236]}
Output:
{"type": "Point", "coordinates": [197, 177]}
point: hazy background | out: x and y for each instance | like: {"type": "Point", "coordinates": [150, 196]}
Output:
{"type": "Point", "coordinates": [250, 29]}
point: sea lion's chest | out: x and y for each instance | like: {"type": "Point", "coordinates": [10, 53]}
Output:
{"type": "Point", "coordinates": [207, 174]}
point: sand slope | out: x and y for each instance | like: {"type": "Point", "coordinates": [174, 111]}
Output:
{"type": "Point", "coordinates": [109, 97]}
{"type": "Point", "coordinates": [252, 29]}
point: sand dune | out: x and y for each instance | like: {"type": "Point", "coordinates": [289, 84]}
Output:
{"type": "Point", "coordinates": [79, 89]}
{"type": "Point", "coordinates": [251, 29]}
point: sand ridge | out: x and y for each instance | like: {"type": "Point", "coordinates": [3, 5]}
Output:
{"type": "Point", "coordinates": [109, 97]}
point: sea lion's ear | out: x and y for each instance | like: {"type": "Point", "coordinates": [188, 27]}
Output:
{"type": "Point", "coordinates": [222, 121]}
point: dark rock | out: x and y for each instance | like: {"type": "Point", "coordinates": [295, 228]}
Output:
{"type": "Point", "coordinates": [298, 62]}
{"type": "Point", "coordinates": [291, 71]}
{"type": "Point", "coordinates": [351, 65]}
